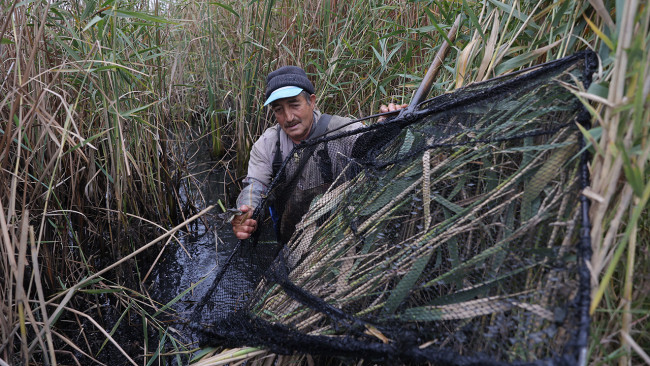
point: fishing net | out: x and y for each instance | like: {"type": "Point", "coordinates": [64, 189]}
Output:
{"type": "Point", "coordinates": [453, 235]}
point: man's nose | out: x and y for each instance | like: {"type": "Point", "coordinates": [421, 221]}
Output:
{"type": "Point", "coordinates": [288, 115]}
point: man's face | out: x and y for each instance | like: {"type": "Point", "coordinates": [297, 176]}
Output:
{"type": "Point", "coordinates": [295, 115]}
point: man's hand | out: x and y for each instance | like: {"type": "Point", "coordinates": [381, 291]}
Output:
{"type": "Point", "coordinates": [242, 225]}
{"type": "Point", "coordinates": [391, 107]}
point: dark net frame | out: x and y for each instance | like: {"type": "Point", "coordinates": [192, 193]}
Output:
{"type": "Point", "coordinates": [452, 235]}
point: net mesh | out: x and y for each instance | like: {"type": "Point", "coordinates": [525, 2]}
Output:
{"type": "Point", "coordinates": [453, 235]}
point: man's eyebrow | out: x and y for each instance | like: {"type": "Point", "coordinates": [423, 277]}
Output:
{"type": "Point", "coordinates": [289, 100]}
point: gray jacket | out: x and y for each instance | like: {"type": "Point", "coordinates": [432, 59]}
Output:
{"type": "Point", "coordinates": [260, 164]}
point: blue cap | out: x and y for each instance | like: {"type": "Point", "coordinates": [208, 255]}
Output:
{"type": "Point", "coordinates": [284, 92]}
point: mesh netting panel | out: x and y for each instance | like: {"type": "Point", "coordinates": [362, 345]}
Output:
{"type": "Point", "coordinates": [454, 235]}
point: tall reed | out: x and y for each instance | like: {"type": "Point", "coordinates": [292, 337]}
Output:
{"type": "Point", "coordinates": [364, 53]}
{"type": "Point", "coordinates": [620, 187]}
{"type": "Point", "coordinates": [89, 94]}
{"type": "Point", "coordinates": [356, 61]}
{"type": "Point", "coordinates": [84, 157]}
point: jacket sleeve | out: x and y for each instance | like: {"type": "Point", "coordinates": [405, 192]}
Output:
{"type": "Point", "coordinates": [251, 194]}
{"type": "Point", "coordinates": [259, 170]}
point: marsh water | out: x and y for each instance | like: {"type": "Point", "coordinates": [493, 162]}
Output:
{"type": "Point", "coordinates": [190, 264]}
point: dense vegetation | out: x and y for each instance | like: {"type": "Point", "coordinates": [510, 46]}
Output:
{"type": "Point", "coordinates": [94, 98]}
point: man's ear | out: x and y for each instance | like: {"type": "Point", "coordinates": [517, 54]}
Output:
{"type": "Point", "coordinates": [312, 99]}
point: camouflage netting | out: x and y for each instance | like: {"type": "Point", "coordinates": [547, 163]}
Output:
{"type": "Point", "coordinates": [454, 235]}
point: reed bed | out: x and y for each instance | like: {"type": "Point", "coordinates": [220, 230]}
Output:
{"type": "Point", "coordinates": [90, 93]}
{"type": "Point", "coordinates": [499, 37]}
{"type": "Point", "coordinates": [86, 169]}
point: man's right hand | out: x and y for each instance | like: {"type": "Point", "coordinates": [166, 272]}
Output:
{"type": "Point", "coordinates": [391, 107]}
{"type": "Point", "coordinates": [242, 225]}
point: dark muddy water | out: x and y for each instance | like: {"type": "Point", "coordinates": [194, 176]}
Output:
{"type": "Point", "coordinates": [193, 261]}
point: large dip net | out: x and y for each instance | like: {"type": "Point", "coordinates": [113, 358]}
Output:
{"type": "Point", "coordinates": [454, 235]}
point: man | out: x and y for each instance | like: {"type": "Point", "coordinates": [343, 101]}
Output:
{"type": "Point", "coordinates": [291, 97]}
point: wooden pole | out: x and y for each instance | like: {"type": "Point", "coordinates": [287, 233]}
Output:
{"type": "Point", "coordinates": [427, 81]}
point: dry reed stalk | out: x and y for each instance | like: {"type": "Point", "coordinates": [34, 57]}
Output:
{"type": "Point", "coordinates": [608, 168]}
{"type": "Point", "coordinates": [98, 274]}
{"type": "Point", "coordinates": [232, 355]}
{"type": "Point", "coordinates": [103, 331]}
{"type": "Point", "coordinates": [617, 195]}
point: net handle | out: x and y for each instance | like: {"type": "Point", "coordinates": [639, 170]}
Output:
{"type": "Point", "coordinates": [427, 81]}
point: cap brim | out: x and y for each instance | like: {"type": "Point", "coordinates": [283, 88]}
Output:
{"type": "Point", "coordinates": [284, 92]}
